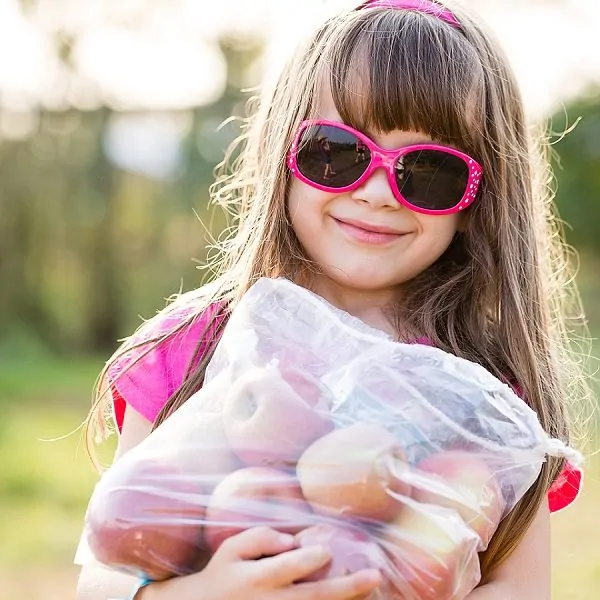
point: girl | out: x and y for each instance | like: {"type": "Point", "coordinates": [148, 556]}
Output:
{"type": "Point", "coordinates": [466, 257]}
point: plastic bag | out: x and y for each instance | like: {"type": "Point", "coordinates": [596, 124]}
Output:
{"type": "Point", "coordinates": [397, 456]}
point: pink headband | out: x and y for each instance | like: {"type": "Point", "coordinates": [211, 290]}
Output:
{"type": "Point", "coordinates": [424, 6]}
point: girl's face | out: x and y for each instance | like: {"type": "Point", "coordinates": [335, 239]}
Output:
{"type": "Point", "coordinates": [365, 240]}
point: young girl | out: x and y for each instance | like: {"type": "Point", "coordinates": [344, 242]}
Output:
{"type": "Point", "coordinates": [466, 256]}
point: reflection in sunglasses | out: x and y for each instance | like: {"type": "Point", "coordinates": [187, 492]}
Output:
{"type": "Point", "coordinates": [337, 164]}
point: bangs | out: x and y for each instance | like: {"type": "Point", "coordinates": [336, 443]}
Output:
{"type": "Point", "coordinates": [394, 69]}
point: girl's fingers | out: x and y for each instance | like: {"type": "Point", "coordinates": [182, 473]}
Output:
{"type": "Point", "coordinates": [255, 543]}
{"type": "Point", "coordinates": [349, 587]}
{"type": "Point", "coordinates": [285, 569]}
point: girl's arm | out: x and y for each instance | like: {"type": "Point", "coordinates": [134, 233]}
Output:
{"type": "Point", "coordinates": [525, 575]}
{"type": "Point", "coordinates": [96, 582]}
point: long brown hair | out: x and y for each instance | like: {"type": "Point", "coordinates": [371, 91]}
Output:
{"type": "Point", "coordinates": [499, 295]}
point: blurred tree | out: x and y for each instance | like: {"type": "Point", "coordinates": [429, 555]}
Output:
{"type": "Point", "coordinates": [104, 316]}
{"type": "Point", "coordinates": [20, 269]}
{"type": "Point", "coordinates": [577, 169]}
{"type": "Point", "coordinates": [87, 246]}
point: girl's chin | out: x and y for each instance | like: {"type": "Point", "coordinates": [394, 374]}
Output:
{"type": "Point", "coordinates": [354, 282]}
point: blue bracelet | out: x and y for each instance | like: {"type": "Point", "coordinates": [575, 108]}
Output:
{"type": "Point", "coordinates": [141, 583]}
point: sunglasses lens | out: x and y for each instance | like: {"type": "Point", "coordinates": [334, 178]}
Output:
{"type": "Point", "coordinates": [331, 157]}
{"type": "Point", "coordinates": [432, 179]}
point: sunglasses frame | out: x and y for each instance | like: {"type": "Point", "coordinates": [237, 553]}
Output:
{"type": "Point", "coordinates": [387, 159]}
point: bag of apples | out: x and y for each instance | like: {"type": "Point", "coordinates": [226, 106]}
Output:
{"type": "Point", "coordinates": [398, 456]}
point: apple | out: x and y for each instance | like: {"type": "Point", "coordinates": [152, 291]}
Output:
{"type": "Point", "coordinates": [203, 454]}
{"type": "Point", "coordinates": [351, 548]}
{"type": "Point", "coordinates": [268, 422]}
{"type": "Point", "coordinates": [146, 521]}
{"type": "Point", "coordinates": [433, 552]}
{"type": "Point", "coordinates": [202, 559]}
{"type": "Point", "coordinates": [355, 472]}
{"type": "Point", "coordinates": [462, 481]}
{"type": "Point", "coordinates": [308, 387]}
{"type": "Point", "coordinates": [255, 496]}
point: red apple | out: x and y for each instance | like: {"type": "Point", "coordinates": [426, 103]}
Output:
{"type": "Point", "coordinates": [355, 472]}
{"type": "Point", "coordinates": [147, 520]}
{"type": "Point", "coordinates": [252, 497]}
{"type": "Point", "coordinates": [268, 421]}
{"type": "Point", "coordinates": [463, 481]}
{"type": "Point", "coordinates": [351, 548]}
{"type": "Point", "coordinates": [434, 555]}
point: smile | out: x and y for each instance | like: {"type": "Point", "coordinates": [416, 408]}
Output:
{"type": "Point", "coordinates": [366, 233]}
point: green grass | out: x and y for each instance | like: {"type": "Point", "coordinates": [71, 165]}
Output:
{"type": "Point", "coordinates": [30, 380]}
{"type": "Point", "coordinates": [46, 475]}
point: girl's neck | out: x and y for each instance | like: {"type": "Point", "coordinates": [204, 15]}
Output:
{"type": "Point", "coordinates": [373, 307]}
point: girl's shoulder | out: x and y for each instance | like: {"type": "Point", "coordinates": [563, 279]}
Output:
{"type": "Point", "coordinates": [155, 360]}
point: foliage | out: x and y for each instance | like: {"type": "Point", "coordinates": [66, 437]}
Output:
{"type": "Point", "coordinates": [90, 241]}
{"type": "Point", "coordinates": [577, 170]}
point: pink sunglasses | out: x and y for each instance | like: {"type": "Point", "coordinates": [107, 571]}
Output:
{"type": "Point", "coordinates": [426, 178]}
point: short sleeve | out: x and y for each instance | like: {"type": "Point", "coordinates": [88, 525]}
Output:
{"type": "Point", "coordinates": [566, 489]}
{"type": "Point", "coordinates": [145, 379]}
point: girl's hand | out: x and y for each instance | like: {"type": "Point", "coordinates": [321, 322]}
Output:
{"type": "Point", "coordinates": [234, 572]}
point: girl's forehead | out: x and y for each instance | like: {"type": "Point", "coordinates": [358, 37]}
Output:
{"type": "Point", "coordinates": [325, 108]}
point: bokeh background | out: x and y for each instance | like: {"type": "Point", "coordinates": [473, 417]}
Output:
{"type": "Point", "coordinates": [109, 133]}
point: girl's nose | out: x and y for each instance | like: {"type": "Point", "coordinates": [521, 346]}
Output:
{"type": "Point", "coordinates": [376, 190]}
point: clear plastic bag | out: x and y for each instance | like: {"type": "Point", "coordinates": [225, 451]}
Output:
{"type": "Point", "coordinates": [398, 456]}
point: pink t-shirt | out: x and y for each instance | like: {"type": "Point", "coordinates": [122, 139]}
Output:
{"type": "Point", "coordinates": [147, 385]}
